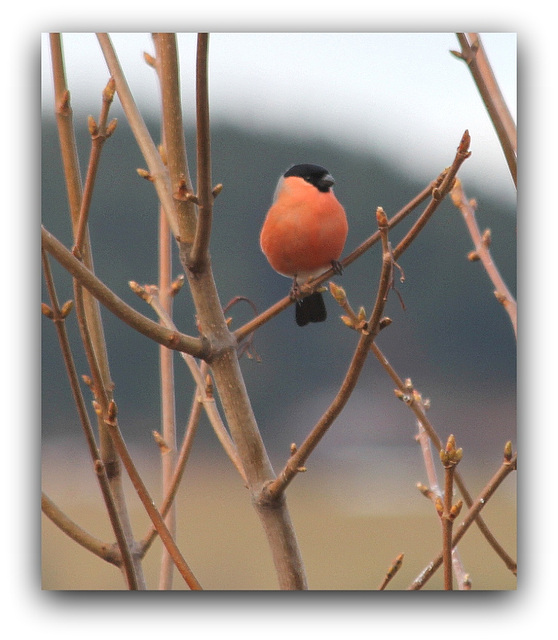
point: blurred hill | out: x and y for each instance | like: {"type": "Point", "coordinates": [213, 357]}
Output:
{"type": "Point", "coordinates": [454, 340]}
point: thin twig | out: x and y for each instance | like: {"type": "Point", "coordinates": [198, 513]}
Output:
{"type": "Point", "coordinates": [180, 466]}
{"type": "Point", "coordinates": [509, 465]}
{"type": "Point", "coordinates": [152, 298]}
{"type": "Point", "coordinates": [147, 501]}
{"type": "Point", "coordinates": [99, 135]}
{"type": "Point", "coordinates": [158, 173]}
{"type": "Point", "coordinates": [408, 395]}
{"type": "Point", "coordinates": [450, 457]}
{"type": "Point", "coordinates": [126, 561]}
{"type": "Point", "coordinates": [175, 158]}
{"type": "Point", "coordinates": [296, 462]}
{"type": "Point", "coordinates": [168, 409]}
{"type": "Point", "coordinates": [474, 55]}
{"type": "Point", "coordinates": [200, 249]}
{"type": "Point", "coordinates": [172, 339]}
{"type": "Point", "coordinates": [102, 549]}
{"type": "Point", "coordinates": [482, 252]}
{"type": "Point", "coordinates": [172, 126]}
{"type": "Point", "coordinates": [438, 194]}
{"type": "Point", "coordinates": [392, 571]}
{"type": "Point", "coordinates": [72, 176]}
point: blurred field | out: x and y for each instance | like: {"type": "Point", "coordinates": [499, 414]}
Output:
{"type": "Point", "coordinates": [350, 522]}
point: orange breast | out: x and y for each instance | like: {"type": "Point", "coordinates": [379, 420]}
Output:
{"type": "Point", "coordinates": [304, 230]}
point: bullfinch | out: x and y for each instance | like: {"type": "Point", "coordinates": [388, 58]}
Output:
{"type": "Point", "coordinates": [304, 233]}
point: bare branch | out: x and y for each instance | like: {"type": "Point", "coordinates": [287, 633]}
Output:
{"type": "Point", "coordinates": [157, 170]}
{"type": "Point", "coordinates": [474, 55]}
{"type": "Point", "coordinates": [200, 250]}
{"type": "Point", "coordinates": [173, 134]}
{"type": "Point", "coordinates": [509, 465]}
{"type": "Point", "coordinates": [147, 501]}
{"type": "Point", "coordinates": [412, 399]}
{"type": "Point", "coordinates": [482, 252]}
{"type": "Point", "coordinates": [111, 301]}
{"type": "Point", "coordinates": [101, 549]}
{"type": "Point", "coordinates": [368, 334]}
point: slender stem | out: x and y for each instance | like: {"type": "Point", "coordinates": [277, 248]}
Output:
{"type": "Point", "coordinates": [447, 524]}
{"type": "Point", "coordinates": [199, 375]}
{"type": "Point", "coordinates": [474, 55]}
{"type": "Point", "coordinates": [438, 194]}
{"type": "Point", "coordinates": [168, 411]}
{"type": "Point", "coordinates": [92, 311]}
{"type": "Point", "coordinates": [99, 135]}
{"type": "Point", "coordinates": [100, 548]}
{"type": "Point", "coordinates": [175, 156]}
{"type": "Point", "coordinates": [151, 329]}
{"type": "Point", "coordinates": [126, 560]}
{"type": "Point", "coordinates": [200, 248]}
{"type": "Point", "coordinates": [482, 253]}
{"type": "Point", "coordinates": [472, 516]}
{"type": "Point", "coordinates": [173, 133]}
{"type": "Point", "coordinates": [149, 505]}
{"type": "Point", "coordinates": [416, 407]}
{"type": "Point", "coordinates": [180, 466]}
{"type": "Point", "coordinates": [299, 457]}
{"type": "Point", "coordinates": [157, 170]}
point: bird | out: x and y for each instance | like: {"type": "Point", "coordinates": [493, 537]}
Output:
{"type": "Point", "coordinates": [304, 233]}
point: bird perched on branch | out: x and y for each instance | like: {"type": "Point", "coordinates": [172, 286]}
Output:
{"type": "Point", "coordinates": [304, 233]}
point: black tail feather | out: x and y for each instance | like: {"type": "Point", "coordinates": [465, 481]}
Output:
{"type": "Point", "coordinates": [310, 309]}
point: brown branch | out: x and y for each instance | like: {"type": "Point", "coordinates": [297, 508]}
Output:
{"type": "Point", "coordinates": [158, 173]}
{"type": "Point", "coordinates": [392, 571]}
{"type": "Point", "coordinates": [200, 249]}
{"type": "Point", "coordinates": [99, 135]}
{"type": "Point", "coordinates": [168, 408]}
{"type": "Point", "coordinates": [509, 465]}
{"type": "Point", "coordinates": [173, 133]}
{"type": "Point", "coordinates": [482, 252]}
{"type": "Point", "coordinates": [474, 55]}
{"type": "Point", "coordinates": [450, 457]}
{"type": "Point", "coordinates": [368, 334]}
{"type": "Point", "coordinates": [438, 194]}
{"type": "Point", "coordinates": [125, 561]}
{"type": "Point", "coordinates": [172, 339]}
{"type": "Point", "coordinates": [411, 398]}
{"type": "Point", "coordinates": [101, 549]}
{"type": "Point", "coordinates": [175, 159]}
{"type": "Point", "coordinates": [179, 468]}
{"type": "Point", "coordinates": [230, 385]}
{"type": "Point", "coordinates": [95, 327]}
{"type": "Point", "coordinates": [64, 122]}
{"type": "Point", "coordinates": [158, 522]}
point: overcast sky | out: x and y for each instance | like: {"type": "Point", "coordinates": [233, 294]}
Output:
{"type": "Point", "coordinates": [398, 94]}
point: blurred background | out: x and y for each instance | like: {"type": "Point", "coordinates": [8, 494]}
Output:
{"type": "Point", "coordinates": [384, 113]}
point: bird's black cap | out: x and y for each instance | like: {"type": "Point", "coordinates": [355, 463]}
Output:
{"type": "Point", "coordinates": [312, 173]}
